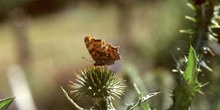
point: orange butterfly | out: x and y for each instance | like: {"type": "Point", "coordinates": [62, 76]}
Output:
{"type": "Point", "coordinates": [102, 54]}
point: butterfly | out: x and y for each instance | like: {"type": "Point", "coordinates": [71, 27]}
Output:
{"type": "Point", "coordinates": [102, 54]}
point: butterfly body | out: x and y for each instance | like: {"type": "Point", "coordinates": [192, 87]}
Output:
{"type": "Point", "coordinates": [100, 53]}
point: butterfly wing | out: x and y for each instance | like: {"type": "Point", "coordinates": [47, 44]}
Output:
{"type": "Point", "coordinates": [101, 54]}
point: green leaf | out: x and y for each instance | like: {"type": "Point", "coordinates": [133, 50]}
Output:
{"type": "Point", "coordinates": [191, 71]}
{"type": "Point", "coordinates": [5, 103]}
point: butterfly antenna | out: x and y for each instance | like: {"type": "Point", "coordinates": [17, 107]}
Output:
{"type": "Point", "coordinates": [88, 60]}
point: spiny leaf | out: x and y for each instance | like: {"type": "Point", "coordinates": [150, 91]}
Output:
{"type": "Point", "coordinates": [188, 84]}
{"type": "Point", "coordinates": [141, 100]}
{"type": "Point", "coordinates": [191, 71]}
{"type": "Point", "coordinates": [144, 106]}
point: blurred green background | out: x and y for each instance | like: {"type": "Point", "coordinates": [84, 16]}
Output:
{"type": "Point", "coordinates": [45, 38]}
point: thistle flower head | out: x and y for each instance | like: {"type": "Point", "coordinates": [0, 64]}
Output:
{"type": "Point", "coordinates": [97, 83]}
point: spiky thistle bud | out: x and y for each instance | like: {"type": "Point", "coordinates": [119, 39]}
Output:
{"type": "Point", "coordinates": [99, 84]}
